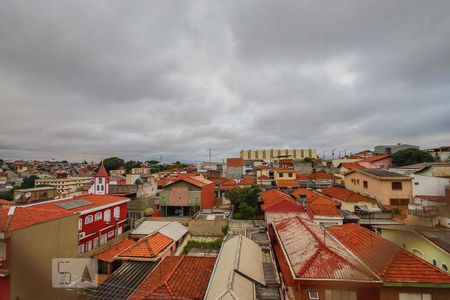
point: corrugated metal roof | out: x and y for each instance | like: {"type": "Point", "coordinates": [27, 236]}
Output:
{"type": "Point", "coordinates": [313, 254]}
{"type": "Point", "coordinates": [238, 267]}
{"type": "Point", "coordinates": [123, 281]}
{"type": "Point", "coordinates": [173, 230]}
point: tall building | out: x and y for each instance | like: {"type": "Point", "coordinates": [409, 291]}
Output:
{"type": "Point", "coordinates": [278, 154]}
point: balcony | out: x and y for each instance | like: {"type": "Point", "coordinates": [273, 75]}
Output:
{"type": "Point", "coordinates": [422, 211]}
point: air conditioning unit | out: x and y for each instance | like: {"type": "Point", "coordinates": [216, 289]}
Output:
{"type": "Point", "coordinates": [81, 235]}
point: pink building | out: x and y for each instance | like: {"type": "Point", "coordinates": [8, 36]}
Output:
{"type": "Point", "coordinates": [382, 161]}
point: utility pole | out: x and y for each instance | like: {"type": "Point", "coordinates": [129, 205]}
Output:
{"type": "Point", "coordinates": [332, 153]}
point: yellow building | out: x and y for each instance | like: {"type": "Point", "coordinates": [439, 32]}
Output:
{"type": "Point", "coordinates": [65, 186]}
{"type": "Point", "coordinates": [429, 244]}
{"type": "Point", "coordinates": [388, 188]}
{"type": "Point", "coordinates": [276, 154]}
{"type": "Point", "coordinates": [284, 174]}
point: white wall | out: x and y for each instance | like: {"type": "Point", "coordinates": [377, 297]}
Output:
{"type": "Point", "coordinates": [429, 185]}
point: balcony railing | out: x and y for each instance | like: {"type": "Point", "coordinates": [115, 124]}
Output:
{"type": "Point", "coordinates": [422, 211]}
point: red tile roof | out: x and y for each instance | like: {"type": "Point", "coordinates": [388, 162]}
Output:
{"type": "Point", "coordinates": [97, 200]}
{"type": "Point", "coordinates": [189, 178]}
{"type": "Point", "coordinates": [235, 162]}
{"type": "Point", "coordinates": [322, 176]}
{"type": "Point", "coordinates": [312, 254]}
{"type": "Point", "coordinates": [274, 198]}
{"type": "Point", "coordinates": [247, 181]}
{"type": "Point", "coordinates": [24, 217]}
{"type": "Point", "coordinates": [390, 262]}
{"type": "Point", "coordinates": [5, 202]}
{"type": "Point", "coordinates": [375, 158]}
{"type": "Point", "coordinates": [351, 166]}
{"type": "Point", "coordinates": [148, 247]}
{"type": "Point", "coordinates": [102, 172]}
{"type": "Point", "coordinates": [345, 195]}
{"type": "Point", "coordinates": [111, 252]}
{"type": "Point", "coordinates": [264, 177]}
{"type": "Point", "coordinates": [301, 176]}
{"type": "Point", "coordinates": [177, 277]}
{"type": "Point", "coordinates": [287, 183]}
{"type": "Point", "coordinates": [318, 204]}
{"type": "Point", "coordinates": [229, 184]}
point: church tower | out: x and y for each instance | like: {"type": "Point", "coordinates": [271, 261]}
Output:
{"type": "Point", "coordinates": [101, 186]}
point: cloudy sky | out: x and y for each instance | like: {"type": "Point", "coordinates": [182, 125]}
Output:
{"type": "Point", "coordinates": [140, 79]}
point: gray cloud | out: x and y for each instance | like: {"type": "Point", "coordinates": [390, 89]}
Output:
{"type": "Point", "coordinates": [140, 79]}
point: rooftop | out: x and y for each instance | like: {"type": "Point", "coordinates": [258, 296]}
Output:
{"type": "Point", "coordinates": [381, 173]}
{"type": "Point", "coordinates": [345, 195]}
{"type": "Point", "coordinates": [235, 162]}
{"type": "Point", "coordinates": [312, 254]}
{"type": "Point", "coordinates": [287, 183]}
{"type": "Point", "coordinates": [109, 254]}
{"type": "Point", "coordinates": [274, 197]}
{"type": "Point", "coordinates": [177, 277]}
{"type": "Point", "coordinates": [375, 158]}
{"type": "Point", "coordinates": [147, 247]}
{"type": "Point", "coordinates": [390, 262]}
{"type": "Point", "coordinates": [173, 230]}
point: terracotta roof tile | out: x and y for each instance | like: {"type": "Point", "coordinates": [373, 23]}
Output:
{"type": "Point", "coordinates": [177, 277]}
{"type": "Point", "coordinates": [235, 162]}
{"type": "Point", "coordinates": [345, 195]}
{"type": "Point", "coordinates": [148, 247]}
{"type": "Point", "coordinates": [276, 200]}
{"type": "Point", "coordinates": [375, 158]}
{"type": "Point", "coordinates": [28, 216]}
{"type": "Point", "coordinates": [390, 262]}
{"type": "Point", "coordinates": [287, 183]}
{"type": "Point", "coordinates": [111, 252]}
{"type": "Point", "coordinates": [314, 255]}
{"type": "Point", "coordinates": [247, 181]}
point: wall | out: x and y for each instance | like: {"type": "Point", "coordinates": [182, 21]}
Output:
{"type": "Point", "coordinates": [207, 227]}
{"type": "Point", "coordinates": [415, 241]}
{"type": "Point", "coordinates": [33, 249]}
{"type": "Point", "coordinates": [429, 185]}
{"type": "Point", "coordinates": [382, 163]}
{"type": "Point", "coordinates": [351, 205]}
{"type": "Point", "coordinates": [392, 293]}
{"type": "Point", "coordinates": [381, 190]}
{"type": "Point", "coordinates": [208, 196]}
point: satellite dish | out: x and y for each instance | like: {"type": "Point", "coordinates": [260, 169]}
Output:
{"type": "Point", "coordinates": [17, 197]}
{"type": "Point", "coordinates": [28, 195]}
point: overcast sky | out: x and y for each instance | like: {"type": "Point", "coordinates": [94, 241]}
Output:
{"type": "Point", "coordinates": [140, 79]}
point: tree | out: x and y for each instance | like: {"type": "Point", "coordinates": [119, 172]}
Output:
{"type": "Point", "coordinates": [152, 162]}
{"type": "Point", "coordinates": [245, 212]}
{"type": "Point", "coordinates": [28, 182]}
{"type": "Point", "coordinates": [132, 164]}
{"type": "Point", "coordinates": [244, 201]}
{"type": "Point", "coordinates": [113, 163]}
{"type": "Point", "coordinates": [411, 156]}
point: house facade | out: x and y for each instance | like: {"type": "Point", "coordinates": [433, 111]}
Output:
{"type": "Point", "coordinates": [388, 188]}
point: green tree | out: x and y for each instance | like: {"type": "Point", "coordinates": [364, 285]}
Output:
{"type": "Point", "coordinates": [132, 164]}
{"type": "Point", "coordinates": [244, 201]}
{"type": "Point", "coordinates": [28, 182]}
{"type": "Point", "coordinates": [245, 212]}
{"type": "Point", "coordinates": [7, 195]}
{"type": "Point", "coordinates": [113, 163]}
{"type": "Point", "coordinates": [152, 162]}
{"type": "Point", "coordinates": [411, 156]}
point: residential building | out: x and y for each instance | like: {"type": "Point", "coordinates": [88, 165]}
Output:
{"type": "Point", "coordinates": [436, 169]}
{"type": "Point", "coordinates": [314, 266]}
{"type": "Point", "coordinates": [65, 186]}
{"type": "Point", "coordinates": [238, 271]}
{"type": "Point", "coordinates": [27, 196]}
{"type": "Point", "coordinates": [388, 188]}
{"type": "Point", "coordinates": [101, 218]}
{"type": "Point", "coordinates": [29, 239]}
{"type": "Point", "coordinates": [143, 170]}
{"type": "Point", "coordinates": [350, 200]}
{"type": "Point", "coordinates": [247, 182]}
{"type": "Point", "coordinates": [275, 201]}
{"type": "Point", "coordinates": [391, 149]}
{"type": "Point", "coordinates": [120, 171]}
{"type": "Point", "coordinates": [150, 248]}
{"type": "Point", "coordinates": [176, 277]}
{"type": "Point", "coordinates": [440, 153]}
{"type": "Point", "coordinates": [235, 168]}
{"type": "Point", "coordinates": [3, 178]}
{"type": "Point", "coordinates": [174, 230]}
{"type": "Point", "coordinates": [346, 167]}
{"type": "Point", "coordinates": [404, 275]}
{"type": "Point", "coordinates": [429, 244]}
{"type": "Point", "coordinates": [284, 174]}
{"type": "Point", "coordinates": [278, 153]}
{"type": "Point", "coordinates": [382, 161]}
{"type": "Point", "coordinates": [186, 195]}
{"type": "Point", "coordinates": [321, 179]}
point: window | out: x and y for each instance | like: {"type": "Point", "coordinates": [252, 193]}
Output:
{"type": "Point", "coordinates": [88, 246]}
{"type": "Point", "coordinates": [119, 231]}
{"type": "Point", "coordinates": [365, 184]}
{"type": "Point", "coordinates": [340, 295]}
{"type": "Point", "coordinates": [88, 220]}
{"type": "Point", "coordinates": [81, 249]}
{"type": "Point", "coordinates": [414, 296]}
{"type": "Point", "coordinates": [102, 239]}
{"type": "Point", "coordinates": [417, 253]}
{"type": "Point", "coordinates": [434, 261]}
{"type": "Point", "coordinates": [96, 242]}
{"type": "Point", "coordinates": [111, 233]}
{"type": "Point", "coordinates": [357, 181]}
{"type": "Point", "coordinates": [98, 216]}
{"type": "Point", "coordinates": [100, 180]}
{"type": "Point", "coordinates": [290, 174]}
{"type": "Point", "coordinates": [102, 188]}
{"type": "Point", "coordinates": [416, 183]}
{"type": "Point", "coordinates": [444, 267]}
{"type": "Point", "coordinates": [107, 215]}
{"type": "Point", "coordinates": [117, 212]}
{"type": "Point", "coordinates": [281, 174]}
{"type": "Point", "coordinates": [313, 294]}
{"type": "Point", "coordinates": [80, 224]}
{"type": "Point", "coordinates": [396, 185]}
{"type": "Point", "coordinates": [2, 251]}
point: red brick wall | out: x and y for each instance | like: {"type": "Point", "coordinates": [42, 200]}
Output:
{"type": "Point", "coordinates": [208, 196]}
